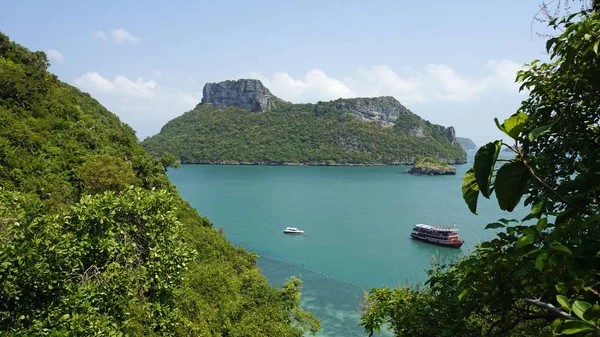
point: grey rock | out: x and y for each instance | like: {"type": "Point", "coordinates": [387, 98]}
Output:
{"type": "Point", "coordinates": [244, 93]}
{"type": "Point", "coordinates": [450, 133]}
{"type": "Point", "coordinates": [384, 110]}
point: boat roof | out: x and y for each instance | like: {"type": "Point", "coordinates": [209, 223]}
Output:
{"type": "Point", "coordinates": [292, 228]}
{"type": "Point", "coordinates": [437, 228]}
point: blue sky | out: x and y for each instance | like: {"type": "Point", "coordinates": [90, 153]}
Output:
{"type": "Point", "coordinates": [452, 62]}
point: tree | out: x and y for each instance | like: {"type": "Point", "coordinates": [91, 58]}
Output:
{"type": "Point", "coordinates": [540, 275]}
{"type": "Point", "coordinates": [106, 173]}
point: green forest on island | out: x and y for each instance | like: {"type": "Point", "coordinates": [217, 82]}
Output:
{"type": "Point", "coordinates": [298, 133]}
{"type": "Point", "coordinates": [94, 240]}
{"type": "Point", "coordinates": [540, 275]}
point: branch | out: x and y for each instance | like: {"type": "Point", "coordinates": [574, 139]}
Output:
{"type": "Point", "coordinates": [549, 307]}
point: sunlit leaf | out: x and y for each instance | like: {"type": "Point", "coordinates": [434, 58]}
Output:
{"type": "Point", "coordinates": [513, 125]}
{"type": "Point", "coordinates": [564, 302]}
{"type": "Point", "coordinates": [524, 241]}
{"type": "Point", "coordinates": [579, 307]}
{"type": "Point", "coordinates": [574, 327]}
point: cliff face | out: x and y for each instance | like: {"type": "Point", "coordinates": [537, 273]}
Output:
{"type": "Point", "coordinates": [384, 110]}
{"type": "Point", "coordinates": [245, 93]}
{"type": "Point", "coordinates": [387, 111]}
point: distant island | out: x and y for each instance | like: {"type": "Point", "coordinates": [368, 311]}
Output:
{"type": "Point", "coordinates": [431, 166]}
{"type": "Point", "coordinates": [242, 123]}
{"type": "Point", "coordinates": [466, 143]}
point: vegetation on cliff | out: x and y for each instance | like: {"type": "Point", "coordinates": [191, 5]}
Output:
{"type": "Point", "coordinates": [466, 143]}
{"type": "Point", "coordinates": [94, 240]}
{"type": "Point", "coordinates": [539, 275]}
{"type": "Point", "coordinates": [299, 133]}
{"type": "Point", "coordinates": [431, 166]}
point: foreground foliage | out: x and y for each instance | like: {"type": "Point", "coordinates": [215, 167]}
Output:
{"type": "Point", "coordinates": [298, 133]}
{"type": "Point", "coordinates": [540, 275]}
{"type": "Point", "coordinates": [94, 240]}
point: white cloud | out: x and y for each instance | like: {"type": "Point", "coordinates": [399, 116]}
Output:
{"type": "Point", "coordinates": [157, 73]}
{"type": "Point", "coordinates": [119, 36]}
{"type": "Point", "coordinates": [100, 35]}
{"type": "Point", "coordinates": [143, 104]}
{"type": "Point", "coordinates": [55, 55]}
{"type": "Point", "coordinates": [435, 82]}
{"type": "Point", "coordinates": [122, 36]}
{"type": "Point", "coordinates": [435, 92]}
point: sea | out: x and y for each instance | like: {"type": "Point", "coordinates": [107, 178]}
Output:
{"type": "Point", "coordinates": [357, 222]}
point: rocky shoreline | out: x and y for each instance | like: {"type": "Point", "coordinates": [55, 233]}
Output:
{"type": "Point", "coordinates": [432, 171]}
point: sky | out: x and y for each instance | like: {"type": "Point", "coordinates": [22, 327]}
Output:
{"type": "Point", "coordinates": [451, 62]}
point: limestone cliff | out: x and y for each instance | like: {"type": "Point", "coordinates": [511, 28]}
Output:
{"type": "Point", "coordinates": [247, 94]}
{"type": "Point", "coordinates": [387, 111]}
{"type": "Point", "coordinates": [384, 110]}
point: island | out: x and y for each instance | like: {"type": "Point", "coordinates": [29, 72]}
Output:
{"type": "Point", "coordinates": [242, 123]}
{"type": "Point", "coordinates": [430, 167]}
{"type": "Point", "coordinates": [466, 143]}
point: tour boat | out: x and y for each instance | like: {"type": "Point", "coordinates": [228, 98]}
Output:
{"type": "Point", "coordinates": [293, 230]}
{"type": "Point", "coordinates": [439, 235]}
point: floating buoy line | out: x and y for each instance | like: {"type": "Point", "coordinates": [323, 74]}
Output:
{"type": "Point", "coordinates": [303, 267]}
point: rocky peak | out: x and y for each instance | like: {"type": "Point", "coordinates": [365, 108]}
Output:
{"type": "Point", "coordinates": [244, 93]}
{"type": "Point", "coordinates": [384, 110]}
{"type": "Point", "coordinates": [451, 134]}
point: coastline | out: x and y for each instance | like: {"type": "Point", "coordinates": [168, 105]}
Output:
{"type": "Point", "coordinates": [238, 163]}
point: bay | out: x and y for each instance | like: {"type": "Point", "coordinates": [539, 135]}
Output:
{"type": "Point", "coordinates": [357, 221]}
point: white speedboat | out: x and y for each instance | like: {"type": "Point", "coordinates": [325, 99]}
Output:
{"type": "Point", "coordinates": [293, 230]}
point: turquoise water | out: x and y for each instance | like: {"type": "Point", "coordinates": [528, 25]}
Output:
{"type": "Point", "coordinates": [357, 220]}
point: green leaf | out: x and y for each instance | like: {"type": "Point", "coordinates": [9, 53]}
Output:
{"type": "Point", "coordinates": [462, 294]}
{"type": "Point", "coordinates": [507, 221]}
{"type": "Point", "coordinates": [539, 131]}
{"type": "Point", "coordinates": [561, 287]}
{"type": "Point", "coordinates": [524, 241]}
{"type": "Point", "coordinates": [596, 46]}
{"type": "Point", "coordinates": [556, 325]}
{"type": "Point", "coordinates": [539, 261]}
{"type": "Point", "coordinates": [495, 225]}
{"type": "Point", "coordinates": [536, 209]}
{"type": "Point", "coordinates": [513, 125]}
{"type": "Point", "coordinates": [470, 190]}
{"type": "Point", "coordinates": [574, 327]}
{"type": "Point", "coordinates": [511, 182]}
{"type": "Point", "coordinates": [564, 302]}
{"type": "Point", "coordinates": [500, 126]}
{"type": "Point", "coordinates": [541, 224]}
{"type": "Point", "coordinates": [561, 248]}
{"type": "Point", "coordinates": [579, 307]}
{"type": "Point", "coordinates": [592, 313]}
{"type": "Point", "coordinates": [549, 43]}
{"type": "Point", "coordinates": [485, 160]}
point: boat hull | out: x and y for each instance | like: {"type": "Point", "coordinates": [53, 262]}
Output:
{"type": "Point", "coordinates": [293, 233]}
{"type": "Point", "coordinates": [440, 243]}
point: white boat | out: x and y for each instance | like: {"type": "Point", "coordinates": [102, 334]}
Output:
{"type": "Point", "coordinates": [293, 230]}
